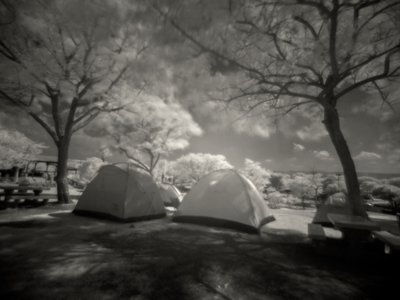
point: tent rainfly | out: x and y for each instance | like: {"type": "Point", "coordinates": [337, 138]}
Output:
{"type": "Point", "coordinates": [225, 198]}
{"type": "Point", "coordinates": [121, 193]}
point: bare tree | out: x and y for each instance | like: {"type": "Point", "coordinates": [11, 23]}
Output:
{"type": "Point", "coordinates": [294, 54]}
{"type": "Point", "coordinates": [62, 64]}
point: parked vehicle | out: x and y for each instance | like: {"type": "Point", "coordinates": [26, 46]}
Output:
{"type": "Point", "coordinates": [380, 205]}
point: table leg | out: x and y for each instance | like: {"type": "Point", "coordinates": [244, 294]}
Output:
{"type": "Point", "coordinates": [7, 194]}
{"type": "Point", "coordinates": [356, 235]}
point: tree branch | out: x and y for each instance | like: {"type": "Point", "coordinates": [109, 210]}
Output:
{"type": "Point", "coordinates": [332, 39]}
{"type": "Point", "coordinates": [204, 48]}
{"type": "Point", "coordinates": [347, 72]}
{"type": "Point", "coordinates": [137, 162]}
{"type": "Point", "coordinates": [383, 97]}
{"type": "Point", "coordinates": [308, 26]}
{"type": "Point", "coordinates": [41, 122]}
{"type": "Point", "coordinates": [8, 53]}
{"type": "Point", "coordinates": [383, 75]}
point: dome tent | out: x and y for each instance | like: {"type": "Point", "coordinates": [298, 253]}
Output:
{"type": "Point", "coordinates": [121, 193]}
{"type": "Point", "coordinates": [225, 198]}
{"type": "Point", "coordinates": [170, 195]}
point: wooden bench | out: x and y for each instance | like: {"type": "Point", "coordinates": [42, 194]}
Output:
{"type": "Point", "coordinates": [32, 197]}
{"type": "Point", "coordinates": [39, 199]}
{"type": "Point", "coordinates": [41, 196]}
{"type": "Point", "coordinates": [16, 194]}
{"type": "Point", "coordinates": [391, 241]}
{"type": "Point", "coordinates": [321, 233]}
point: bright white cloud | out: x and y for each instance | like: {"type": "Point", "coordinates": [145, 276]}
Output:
{"type": "Point", "coordinates": [323, 155]}
{"type": "Point", "coordinates": [364, 155]}
{"type": "Point", "coordinates": [298, 147]}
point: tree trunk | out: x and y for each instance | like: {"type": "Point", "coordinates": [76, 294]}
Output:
{"type": "Point", "coordinates": [62, 171]}
{"type": "Point", "coordinates": [332, 124]}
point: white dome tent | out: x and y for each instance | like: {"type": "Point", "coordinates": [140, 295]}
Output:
{"type": "Point", "coordinates": [121, 193]}
{"type": "Point", "coordinates": [225, 198]}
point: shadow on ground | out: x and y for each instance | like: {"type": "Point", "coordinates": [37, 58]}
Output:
{"type": "Point", "coordinates": [71, 257]}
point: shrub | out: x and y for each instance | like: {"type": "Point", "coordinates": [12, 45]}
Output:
{"type": "Point", "coordinates": [394, 181]}
{"type": "Point", "coordinates": [387, 192]}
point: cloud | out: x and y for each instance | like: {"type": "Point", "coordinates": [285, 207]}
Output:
{"type": "Point", "coordinates": [364, 155]}
{"type": "Point", "coordinates": [298, 147]}
{"type": "Point", "coordinates": [394, 156]}
{"type": "Point", "coordinates": [384, 146]}
{"type": "Point", "coordinates": [323, 155]}
{"type": "Point", "coordinates": [177, 144]}
{"type": "Point", "coordinates": [261, 128]}
{"type": "Point", "coordinates": [313, 132]}
{"type": "Point", "coordinates": [376, 109]}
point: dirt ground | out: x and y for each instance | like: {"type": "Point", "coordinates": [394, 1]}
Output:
{"type": "Point", "coordinates": [49, 253]}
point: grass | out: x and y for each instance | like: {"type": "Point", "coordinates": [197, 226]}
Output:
{"type": "Point", "coordinates": [48, 253]}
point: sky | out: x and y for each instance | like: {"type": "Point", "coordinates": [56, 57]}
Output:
{"type": "Point", "coordinates": [304, 146]}
{"type": "Point", "coordinates": [296, 142]}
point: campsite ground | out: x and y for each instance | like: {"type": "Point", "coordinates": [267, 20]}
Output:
{"type": "Point", "coordinates": [49, 253]}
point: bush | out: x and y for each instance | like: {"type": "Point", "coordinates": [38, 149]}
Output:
{"type": "Point", "coordinates": [387, 192]}
{"type": "Point", "coordinates": [275, 199]}
{"type": "Point", "coordinates": [394, 181]}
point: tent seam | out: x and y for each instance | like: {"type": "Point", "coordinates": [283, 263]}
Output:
{"type": "Point", "coordinates": [247, 193]}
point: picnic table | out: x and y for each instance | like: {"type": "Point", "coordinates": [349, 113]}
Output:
{"type": "Point", "coordinates": [354, 228]}
{"type": "Point", "coordinates": [16, 192]}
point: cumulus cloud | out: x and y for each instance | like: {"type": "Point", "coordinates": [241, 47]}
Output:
{"type": "Point", "coordinates": [323, 155]}
{"type": "Point", "coordinates": [298, 147]}
{"type": "Point", "coordinates": [261, 128]}
{"type": "Point", "coordinates": [364, 155]}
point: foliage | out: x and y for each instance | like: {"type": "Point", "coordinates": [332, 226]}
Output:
{"type": "Point", "coordinates": [394, 181]}
{"type": "Point", "coordinates": [63, 63]}
{"type": "Point", "coordinates": [16, 149]}
{"type": "Point", "coordinates": [88, 169]}
{"type": "Point", "coordinates": [368, 185]}
{"type": "Point", "coordinates": [333, 184]}
{"type": "Point", "coordinates": [146, 129]}
{"type": "Point", "coordinates": [276, 181]}
{"type": "Point", "coordinates": [256, 173]}
{"type": "Point", "coordinates": [277, 200]}
{"type": "Point", "coordinates": [193, 166]}
{"type": "Point", "coordinates": [300, 186]}
{"type": "Point", "coordinates": [388, 192]}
